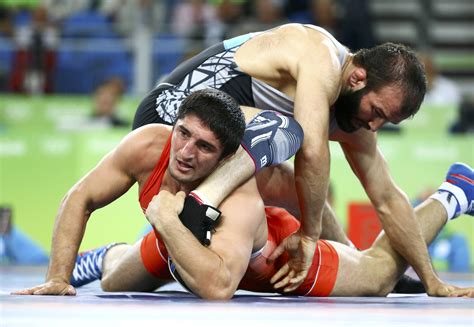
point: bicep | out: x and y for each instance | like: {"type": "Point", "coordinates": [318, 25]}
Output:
{"type": "Point", "coordinates": [317, 78]}
{"type": "Point", "coordinates": [312, 102]}
{"type": "Point", "coordinates": [105, 182]}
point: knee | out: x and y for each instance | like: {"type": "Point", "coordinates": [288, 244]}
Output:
{"type": "Point", "coordinates": [384, 280]}
{"type": "Point", "coordinates": [382, 288]}
{"type": "Point", "coordinates": [110, 284]}
{"type": "Point", "coordinates": [271, 138]}
{"type": "Point", "coordinates": [381, 274]}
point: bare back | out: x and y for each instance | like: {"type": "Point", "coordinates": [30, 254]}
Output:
{"type": "Point", "coordinates": [273, 56]}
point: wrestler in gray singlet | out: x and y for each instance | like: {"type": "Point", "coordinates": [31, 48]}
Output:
{"type": "Point", "coordinates": [216, 68]}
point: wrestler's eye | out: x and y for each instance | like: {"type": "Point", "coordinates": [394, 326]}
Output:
{"type": "Point", "coordinates": [183, 133]}
{"type": "Point", "coordinates": [375, 113]}
{"type": "Point", "coordinates": [378, 112]}
{"type": "Point", "coordinates": [205, 147]}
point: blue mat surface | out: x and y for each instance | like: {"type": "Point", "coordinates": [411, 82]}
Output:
{"type": "Point", "coordinates": [93, 307]}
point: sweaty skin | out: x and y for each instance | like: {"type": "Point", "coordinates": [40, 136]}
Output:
{"type": "Point", "coordinates": [242, 232]}
{"type": "Point", "coordinates": [311, 75]}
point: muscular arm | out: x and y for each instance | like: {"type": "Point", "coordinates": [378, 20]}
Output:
{"type": "Point", "coordinates": [317, 86]}
{"type": "Point", "coordinates": [312, 74]}
{"type": "Point", "coordinates": [101, 186]}
{"type": "Point", "coordinates": [212, 272]}
{"type": "Point", "coordinates": [392, 205]}
{"type": "Point", "coordinates": [111, 178]}
{"type": "Point", "coordinates": [105, 183]}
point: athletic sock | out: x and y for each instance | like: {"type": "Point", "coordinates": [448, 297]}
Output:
{"type": "Point", "coordinates": [448, 201]}
{"type": "Point", "coordinates": [88, 267]}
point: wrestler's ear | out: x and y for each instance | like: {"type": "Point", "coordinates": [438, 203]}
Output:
{"type": "Point", "coordinates": [358, 79]}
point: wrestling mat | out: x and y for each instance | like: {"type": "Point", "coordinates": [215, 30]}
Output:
{"type": "Point", "coordinates": [172, 306]}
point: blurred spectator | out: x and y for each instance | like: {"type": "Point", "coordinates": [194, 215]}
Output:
{"type": "Point", "coordinates": [6, 22]}
{"type": "Point", "coordinates": [35, 57]}
{"type": "Point", "coordinates": [106, 99]}
{"type": "Point", "coordinates": [15, 246]}
{"type": "Point", "coordinates": [264, 14]}
{"type": "Point", "coordinates": [465, 121]}
{"type": "Point", "coordinates": [441, 90]}
{"type": "Point", "coordinates": [197, 21]}
{"type": "Point", "coordinates": [127, 15]}
{"type": "Point", "coordinates": [355, 24]}
{"type": "Point", "coordinates": [323, 13]}
{"type": "Point", "coordinates": [104, 114]}
{"type": "Point", "coordinates": [6, 31]}
{"type": "Point", "coordinates": [350, 21]}
{"type": "Point", "coordinates": [59, 10]}
{"type": "Point", "coordinates": [229, 14]}
{"type": "Point", "coordinates": [298, 11]}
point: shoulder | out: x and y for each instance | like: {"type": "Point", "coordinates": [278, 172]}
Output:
{"type": "Point", "coordinates": [152, 136]}
{"type": "Point", "coordinates": [306, 37]}
{"type": "Point", "coordinates": [289, 39]}
{"type": "Point", "coordinates": [141, 148]}
{"type": "Point", "coordinates": [311, 52]}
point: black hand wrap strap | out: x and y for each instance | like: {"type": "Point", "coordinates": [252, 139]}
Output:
{"type": "Point", "coordinates": [200, 219]}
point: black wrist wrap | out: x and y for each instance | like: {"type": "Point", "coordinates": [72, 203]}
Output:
{"type": "Point", "coordinates": [200, 219]}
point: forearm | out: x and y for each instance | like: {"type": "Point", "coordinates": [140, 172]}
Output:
{"type": "Point", "coordinates": [197, 265]}
{"type": "Point", "coordinates": [67, 236]}
{"type": "Point", "coordinates": [404, 233]}
{"type": "Point", "coordinates": [311, 178]}
{"type": "Point", "coordinates": [234, 171]}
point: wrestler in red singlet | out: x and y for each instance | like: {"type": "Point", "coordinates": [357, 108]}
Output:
{"type": "Point", "coordinates": [322, 274]}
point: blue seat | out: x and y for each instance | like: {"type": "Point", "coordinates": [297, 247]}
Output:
{"type": "Point", "coordinates": [6, 54]}
{"type": "Point", "coordinates": [21, 18]}
{"type": "Point", "coordinates": [81, 67]}
{"type": "Point", "coordinates": [87, 24]}
{"type": "Point", "coordinates": [168, 52]}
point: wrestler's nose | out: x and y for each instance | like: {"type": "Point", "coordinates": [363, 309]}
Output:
{"type": "Point", "coordinates": [189, 149]}
{"type": "Point", "coordinates": [376, 123]}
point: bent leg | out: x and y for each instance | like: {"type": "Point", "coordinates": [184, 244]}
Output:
{"type": "Point", "coordinates": [375, 271]}
{"type": "Point", "coordinates": [123, 270]}
{"type": "Point", "coordinates": [269, 139]}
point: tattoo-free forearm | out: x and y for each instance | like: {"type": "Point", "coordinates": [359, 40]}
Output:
{"type": "Point", "coordinates": [197, 265]}
{"type": "Point", "coordinates": [311, 178]}
{"type": "Point", "coordinates": [67, 236]}
{"type": "Point", "coordinates": [242, 168]}
{"type": "Point", "coordinates": [404, 232]}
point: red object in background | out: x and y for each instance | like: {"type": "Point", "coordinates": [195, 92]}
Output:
{"type": "Point", "coordinates": [363, 224]}
{"type": "Point", "coordinates": [21, 64]}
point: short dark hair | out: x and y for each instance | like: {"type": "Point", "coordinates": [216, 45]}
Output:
{"type": "Point", "coordinates": [395, 64]}
{"type": "Point", "coordinates": [218, 111]}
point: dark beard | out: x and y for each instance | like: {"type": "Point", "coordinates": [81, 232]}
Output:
{"type": "Point", "coordinates": [347, 107]}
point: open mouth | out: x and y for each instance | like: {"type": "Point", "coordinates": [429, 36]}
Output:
{"type": "Point", "coordinates": [183, 166]}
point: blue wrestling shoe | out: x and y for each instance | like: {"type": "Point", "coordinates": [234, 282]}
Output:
{"type": "Point", "coordinates": [460, 184]}
{"type": "Point", "coordinates": [88, 267]}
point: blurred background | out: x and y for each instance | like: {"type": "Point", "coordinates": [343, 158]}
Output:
{"type": "Point", "coordinates": [72, 73]}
